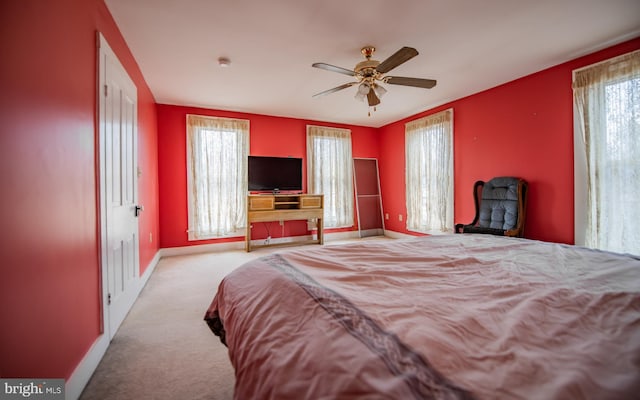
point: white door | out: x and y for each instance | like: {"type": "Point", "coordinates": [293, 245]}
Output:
{"type": "Point", "coordinates": [119, 208]}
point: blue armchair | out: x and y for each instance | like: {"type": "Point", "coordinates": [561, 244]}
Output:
{"type": "Point", "coordinates": [501, 205]}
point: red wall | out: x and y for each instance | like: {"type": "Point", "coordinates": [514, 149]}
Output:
{"type": "Point", "coordinates": [49, 285]}
{"type": "Point", "coordinates": [522, 128]}
{"type": "Point", "coordinates": [269, 136]}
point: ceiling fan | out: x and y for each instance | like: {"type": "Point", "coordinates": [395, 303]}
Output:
{"type": "Point", "coordinates": [370, 73]}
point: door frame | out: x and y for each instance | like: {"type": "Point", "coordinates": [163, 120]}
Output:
{"type": "Point", "coordinates": [105, 52]}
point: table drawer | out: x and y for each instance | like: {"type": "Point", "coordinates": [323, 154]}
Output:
{"type": "Point", "coordinates": [311, 202]}
{"type": "Point", "coordinates": [261, 203]}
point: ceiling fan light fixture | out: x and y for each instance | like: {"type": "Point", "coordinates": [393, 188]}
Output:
{"type": "Point", "coordinates": [362, 92]}
{"type": "Point", "coordinates": [380, 91]}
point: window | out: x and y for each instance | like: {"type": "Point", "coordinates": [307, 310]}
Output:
{"type": "Point", "coordinates": [329, 173]}
{"type": "Point", "coordinates": [217, 151]}
{"type": "Point", "coordinates": [607, 154]}
{"type": "Point", "coordinates": [429, 173]}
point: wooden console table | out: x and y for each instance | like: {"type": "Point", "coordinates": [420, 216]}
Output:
{"type": "Point", "coordinates": [284, 207]}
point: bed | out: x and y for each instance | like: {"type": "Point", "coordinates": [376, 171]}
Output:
{"type": "Point", "coordinates": [440, 317]}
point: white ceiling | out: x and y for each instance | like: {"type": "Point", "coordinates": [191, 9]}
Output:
{"type": "Point", "coordinates": [466, 45]}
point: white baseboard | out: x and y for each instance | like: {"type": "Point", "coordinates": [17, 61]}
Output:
{"type": "Point", "coordinates": [147, 272]}
{"type": "Point", "coordinates": [371, 232]}
{"type": "Point", "coordinates": [201, 248]}
{"type": "Point", "coordinates": [330, 237]}
{"type": "Point", "coordinates": [81, 375]}
{"type": "Point", "coordinates": [397, 235]}
{"type": "Point", "coordinates": [85, 369]}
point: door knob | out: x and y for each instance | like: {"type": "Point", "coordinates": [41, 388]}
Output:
{"type": "Point", "coordinates": [138, 209]}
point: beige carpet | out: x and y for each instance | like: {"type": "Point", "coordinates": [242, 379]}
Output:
{"type": "Point", "coordinates": [164, 349]}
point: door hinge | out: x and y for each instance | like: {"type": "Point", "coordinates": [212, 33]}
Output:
{"type": "Point", "coordinates": [106, 90]}
{"type": "Point", "coordinates": [109, 299]}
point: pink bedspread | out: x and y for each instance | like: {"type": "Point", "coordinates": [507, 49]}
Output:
{"type": "Point", "coordinates": [442, 317]}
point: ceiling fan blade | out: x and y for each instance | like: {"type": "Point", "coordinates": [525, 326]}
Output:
{"type": "Point", "coordinates": [335, 89]}
{"type": "Point", "coordinates": [401, 56]}
{"type": "Point", "coordinates": [333, 68]}
{"type": "Point", "coordinates": [372, 98]}
{"type": "Point", "coordinates": [416, 82]}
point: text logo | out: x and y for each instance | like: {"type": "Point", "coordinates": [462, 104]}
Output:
{"type": "Point", "coordinates": [49, 389]}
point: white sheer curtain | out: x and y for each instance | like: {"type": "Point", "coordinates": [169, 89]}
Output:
{"type": "Point", "coordinates": [217, 151]}
{"type": "Point", "coordinates": [329, 173]}
{"type": "Point", "coordinates": [607, 104]}
{"type": "Point", "coordinates": [429, 173]}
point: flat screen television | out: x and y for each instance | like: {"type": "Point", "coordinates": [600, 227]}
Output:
{"type": "Point", "coordinates": [274, 174]}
